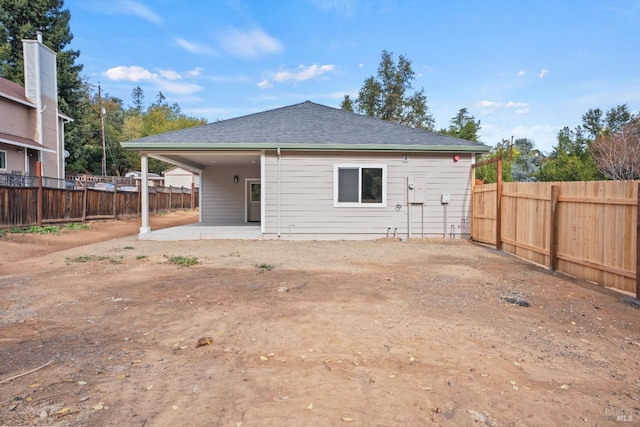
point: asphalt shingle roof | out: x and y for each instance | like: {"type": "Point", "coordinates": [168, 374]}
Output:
{"type": "Point", "coordinates": [14, 90]}
{"type": "Point", "coordinates": [303, 124]}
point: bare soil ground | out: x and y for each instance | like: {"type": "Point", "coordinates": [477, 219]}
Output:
{"type": "Point", "coordinates": [279, 333]}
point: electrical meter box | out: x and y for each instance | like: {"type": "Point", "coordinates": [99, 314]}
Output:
{"type": "Point", "coordinates": [417, 189]}
{"type": "Point", "coordinates": [446, 197]}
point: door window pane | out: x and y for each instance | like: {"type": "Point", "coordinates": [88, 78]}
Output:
{"type": "Point", "coordinates": [255, 192]}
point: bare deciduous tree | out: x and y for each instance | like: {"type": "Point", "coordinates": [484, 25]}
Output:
{"type": "Point", "coordinates": [618, 154]}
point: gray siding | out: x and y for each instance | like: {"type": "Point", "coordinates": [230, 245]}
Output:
{"type": "Point", "coordinates": [223, 201]}
{"type": "Point", "coordinates": [305, 208]}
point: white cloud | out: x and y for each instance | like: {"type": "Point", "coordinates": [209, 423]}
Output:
{"type": "Point", "coordinates": [265, 84]}
{"type": "Point", "coordinates": [131, 74]}
{"type": "Point", "coordinates": [164, 80]}
{"type": "Point", "coordinates": [512, 104]}
{"type": "Point", "coordinates": [491, 107]}
{"type": "Point", "coordinates": [488, 107]}
{"type": "Point", "coordinates": [521, 107]}
{"type": "Point", "coordinates": [543, 73]}
{"type": "Point", "coordinates": [234, 78]}
{"type": "Point", "coordinates": [194, 48]}
{"type": "Point", "coordinates": [521, 73]}
{"type": "Point", "coordinates": [361, 65]}
{"type": "Point", "coordinates": [250, 44]}
{"type": "Point", "coordinates": [130, 7]}
{"type": "Point", "coordinates": [195, 72]}
{"type": "Point", "coordinates": [169, 74]}
{"type": "Point", "coordinates": [344, 7]}
{"type": "Point", "coordinates": [179, 88]}
{"type": "Point", "coordinates": [302, 73]}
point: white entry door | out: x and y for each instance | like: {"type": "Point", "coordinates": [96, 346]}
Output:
{"type": "Point", "coordinates": [253, 200]}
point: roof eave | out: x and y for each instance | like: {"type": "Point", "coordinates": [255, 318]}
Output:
{"type": "Point", "coordinates": [149, 147]}
{"type": "Point", "coordinates": [26, 102]}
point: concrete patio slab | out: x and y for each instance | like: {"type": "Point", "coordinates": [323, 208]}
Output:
{"type": "Point", "coordinates": [205, 232]}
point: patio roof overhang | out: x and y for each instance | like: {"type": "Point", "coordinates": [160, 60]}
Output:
{"type": "Point", "coordinates": [196, 156]}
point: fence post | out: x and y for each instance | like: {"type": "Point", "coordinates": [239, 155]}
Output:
{"type": "Point", "coordinates": [553, 228]}
{"type": "Point", "coordinates": [638, 246]}
{"type": "Point", "coordinates": [499, 206]}
{"type": "Point", "coordinates": [40, 202]}
{"type": "Point", "coordinates": [85, 195]}
{"type": "Point", "coordinates": [115, 200]}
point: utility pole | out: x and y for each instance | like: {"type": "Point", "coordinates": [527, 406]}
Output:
{"type": "Point", "coordinates": [104, 147]}
{"type": "Point", "coordinates": [511, 149]}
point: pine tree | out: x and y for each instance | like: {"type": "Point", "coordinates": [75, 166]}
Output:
{"type": "Point", "coordinates": [385, 96]}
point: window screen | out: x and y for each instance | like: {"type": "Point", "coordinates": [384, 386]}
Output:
{"type": "Point", "coordinates": [359, 185]}
{"type": "Point", "coordinates": [348, 185]}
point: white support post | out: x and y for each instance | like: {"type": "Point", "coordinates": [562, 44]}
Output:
{"type": "Point", "coordinates": [144, 181]}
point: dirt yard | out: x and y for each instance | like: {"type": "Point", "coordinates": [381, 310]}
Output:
{"type": "Point", "coordinates": [100, 329]}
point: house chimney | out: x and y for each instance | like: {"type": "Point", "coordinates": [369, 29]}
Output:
{"type": "Point", "coordinates": [39, 36]}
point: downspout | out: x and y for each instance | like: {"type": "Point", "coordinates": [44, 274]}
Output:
{"type": "Point", "coordinates": [59, 153]}
{"type": "Point", "coordinates": [407, 192]}
{"type": "Point", "coordinates": [408, 220]}
{"type": "Point", "coordinates": [278, 190]}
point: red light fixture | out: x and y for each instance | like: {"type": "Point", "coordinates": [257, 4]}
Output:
{"type": "Point", "coordinates": [456, 157]}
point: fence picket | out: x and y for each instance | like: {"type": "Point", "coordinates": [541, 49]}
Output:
{"type": "Point", "coordinates": [25, 201]}
{"type": "Point", "coordinates": [586, 229]}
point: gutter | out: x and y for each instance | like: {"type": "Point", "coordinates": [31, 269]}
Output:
{"type": "Point", "coordinates": [198, 146]}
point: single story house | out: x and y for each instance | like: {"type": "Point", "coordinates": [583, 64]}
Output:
{"type": "Point", "coordinates": [309, 171]}
{"type": "Point", "coordinates": [179, 177]}
{"type": "Point", "coordinates": [31, 126]}
{"type": "Point", "coordinates": [152, 178]}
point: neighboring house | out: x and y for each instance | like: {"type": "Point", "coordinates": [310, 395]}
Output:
{"type": "Point", "coordinates": [153, 179]}
{"type": "Point", "coordinates": [31, 127]}
{"type": "Point", "coordinates": [309, 171]}
{"type": "Point", "coordinates": [179, 177]}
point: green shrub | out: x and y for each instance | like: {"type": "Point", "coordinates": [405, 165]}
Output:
{"type": "Point", "coordinates": [45, 229]}
{"type": "Point", "coordinates": [182, 261]}
{"type": "Point", "coordinates": [76, 226]}
{"type": "Point", "coordinates": [264, 267]}
{"type": "Point", "coordinates": [94, 258]}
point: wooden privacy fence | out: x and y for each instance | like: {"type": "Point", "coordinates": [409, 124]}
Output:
{"type": "Point", "coordinates": [589, 230]}
{"type": "Point", "coordinates": [39, 200]}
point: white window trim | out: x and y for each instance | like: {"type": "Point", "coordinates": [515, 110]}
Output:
{"type": "Point", "coordinates": [360, 166]}
{"type": "Point", "coordinates": [5, 160]}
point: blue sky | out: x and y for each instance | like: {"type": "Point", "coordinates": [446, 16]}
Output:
{"type": "Point", "coordinates": [523, 68]}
